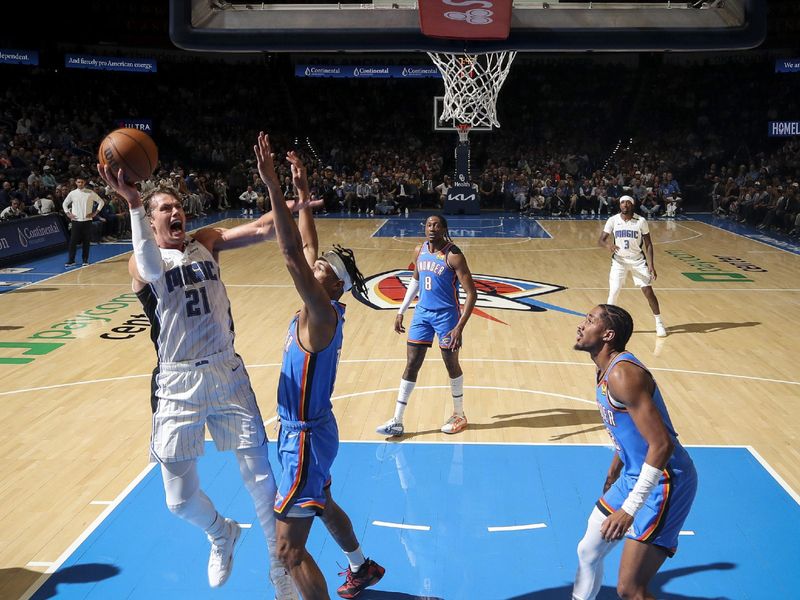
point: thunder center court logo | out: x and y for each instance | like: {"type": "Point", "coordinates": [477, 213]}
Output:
{"type": "Point", "coordinates": [387, 290]}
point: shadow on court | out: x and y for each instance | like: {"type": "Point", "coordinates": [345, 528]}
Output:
{"type": "Point", "coordinates": [659, 581]}
{"type": "Point", "coordinates": [531, 419]}
{"type": "Point", "coordinates": [87, 573]}
{"type": "Point", "coordinates": [703, 327]}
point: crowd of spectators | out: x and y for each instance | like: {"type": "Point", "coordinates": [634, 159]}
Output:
{"type": "Point", "coordinates": [576, 135]}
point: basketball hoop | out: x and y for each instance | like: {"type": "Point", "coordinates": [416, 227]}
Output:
{"type": "Point", "coordinates": [472, 84]}
{"type": "Point", "coordinates": [463, 132]}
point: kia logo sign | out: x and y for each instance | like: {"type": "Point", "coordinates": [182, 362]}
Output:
{"type": "Point", "coordinates": [461, 197]}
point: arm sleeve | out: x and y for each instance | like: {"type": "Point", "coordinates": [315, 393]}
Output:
{"type": "Point", "coordinates": [411, 293]}
{"type": "Point", "coordinates": [67, 203]}
{"type": "Point", "coordinates": [145, 249]}
{"type": "Point", "coordinates": [609, 227]}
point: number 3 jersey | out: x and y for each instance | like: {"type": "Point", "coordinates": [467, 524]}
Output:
{"type": "Point", "coordinates": [188, 306]}
{"type": "Point", "coordinates": [627, 235]}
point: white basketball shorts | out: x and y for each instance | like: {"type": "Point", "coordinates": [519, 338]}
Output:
{"type": "Point", "coordinates": [213, 391]}
{"type": "Point", "coordinates": [620, 268]}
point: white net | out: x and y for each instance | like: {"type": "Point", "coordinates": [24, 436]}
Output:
{"type": "Point", "coordinates": [472, 83]}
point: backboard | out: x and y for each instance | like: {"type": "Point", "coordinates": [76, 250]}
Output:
{"type": "Point", "coordinates": [536, 26]}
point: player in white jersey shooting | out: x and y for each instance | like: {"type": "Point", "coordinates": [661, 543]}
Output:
{"type": "Point", "coordinates": [199, 379]}
{"type": "Point", "coordinates": [627, 236]}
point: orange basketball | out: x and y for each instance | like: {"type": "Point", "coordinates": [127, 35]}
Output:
{"type": "Point", "coordinates": [131, 150]}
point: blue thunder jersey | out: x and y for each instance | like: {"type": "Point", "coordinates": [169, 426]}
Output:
{"type": "Point", "coordinates": [629, 443]}
{"type": "Point", "coordinates": [307, 378]}
{"type": "Point", "coordinates": [438, 283]}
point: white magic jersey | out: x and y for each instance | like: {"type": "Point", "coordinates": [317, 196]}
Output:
{"type": "Point", "coordinates": [188, 306]}
{"type": "Point", "coordinates": [627, 235]}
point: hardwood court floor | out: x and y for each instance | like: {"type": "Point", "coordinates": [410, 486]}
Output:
{"type": "Point", "coordinates": [77, 418]}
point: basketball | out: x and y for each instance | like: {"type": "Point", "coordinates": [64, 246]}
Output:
{"type": "Point", "coordinates": [131, 150]}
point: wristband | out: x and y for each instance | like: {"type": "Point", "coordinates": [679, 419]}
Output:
{"type": "Point", "coordinates": [648, 480]}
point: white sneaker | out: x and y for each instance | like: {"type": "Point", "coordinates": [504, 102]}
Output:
{"type": "Point", "coordinates": [283, 584]}
{"type": "Point", "coordinates": [392, 427]}
{"type": "Point", "coordinates": [220, 561]}
{"type": "Point", "coordinates": [661, 330]}
{"type": "Point", "coordinates": [455, 424]}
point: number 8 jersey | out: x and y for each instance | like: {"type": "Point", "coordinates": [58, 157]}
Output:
{"type": "Point", "coordinates": [438, 283]}
{"type": "Point", "coordinates": [188, 306]}
{"type": "Point", "coordinates": [627, 235]}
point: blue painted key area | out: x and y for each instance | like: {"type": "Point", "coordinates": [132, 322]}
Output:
{"type": "Point", "coordinates": [744, 544]}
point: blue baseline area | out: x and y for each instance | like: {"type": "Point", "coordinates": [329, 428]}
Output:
{"type": "Point", "coordinates": [744, 546]}
{"type": "Point", "coordinates": [771, 238]}
{"type": "Point", "coordinates": [501, 226]}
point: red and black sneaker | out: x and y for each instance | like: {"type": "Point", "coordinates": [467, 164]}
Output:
{"type": "Point", "coordinates": [368, 574]}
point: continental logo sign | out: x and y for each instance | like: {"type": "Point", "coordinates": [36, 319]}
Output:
{"type": "Point", "coordinates": [712, 271]}
{"type": "Point", "coordinates": [59, 334]}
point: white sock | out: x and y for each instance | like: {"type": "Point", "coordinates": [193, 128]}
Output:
{"type": "Point", "coordinates": [658, 320]}
{"type": "Point", "coordinates": [356, 559]}
{"type": "Point", "coordinates": [403, 394]}
{"type": "Point", "coordinates": [457, 389]}
{"type": "Point", "coordinates": [218, 529]}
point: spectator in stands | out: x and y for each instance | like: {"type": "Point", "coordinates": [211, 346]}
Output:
{"type": "Point", "coordinates": [443, 189]}
{"type": "Point", "coordinates": [487, 190]}
{"type": "Point", "coordinates": [248, 200]}
{"type": "Point", "coordinates": [6, 193]}
{"type": "Point", "coordinates": [650, 206]}
{"type": "Point", "coordinates": [44, 205]}
{"type": "Point", "coordinates": [14, 211]}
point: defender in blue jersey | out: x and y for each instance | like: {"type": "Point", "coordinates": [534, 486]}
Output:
{"type": "Point", "coordinates": [652, 481]}
{"type": "Point", "coordinates": [309, 438]}
{"type": "Point", "coordinates": [439, 268]}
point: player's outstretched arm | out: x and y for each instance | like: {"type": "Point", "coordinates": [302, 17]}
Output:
{"type": "Point", "coordinates": [145, 265]}
{"type": "Point", "coordinates": [247, 234]}
{"type": "Point", "coordinates": [290, 242]}
{"type": "Point", "coordinates": [308, 230]}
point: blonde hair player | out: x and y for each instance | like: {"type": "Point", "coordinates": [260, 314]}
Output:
{"type": "Point", "coordinates": [627, 236]}
{"type": "Point", "coordinates": [199, 379]}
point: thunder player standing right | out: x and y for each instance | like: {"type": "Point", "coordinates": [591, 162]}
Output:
{"type": "Point", "coordinates": [631, 250]}
{"type": "Point", "coordinates": [651, 482]}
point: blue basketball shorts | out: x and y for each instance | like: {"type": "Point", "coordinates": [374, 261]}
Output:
{"type": "Point", "coordinates": [306, 451]}
{"type": "Point", "coordinates": [661, 518]}
{"type": "Point", "coordinates": [427, 322]}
